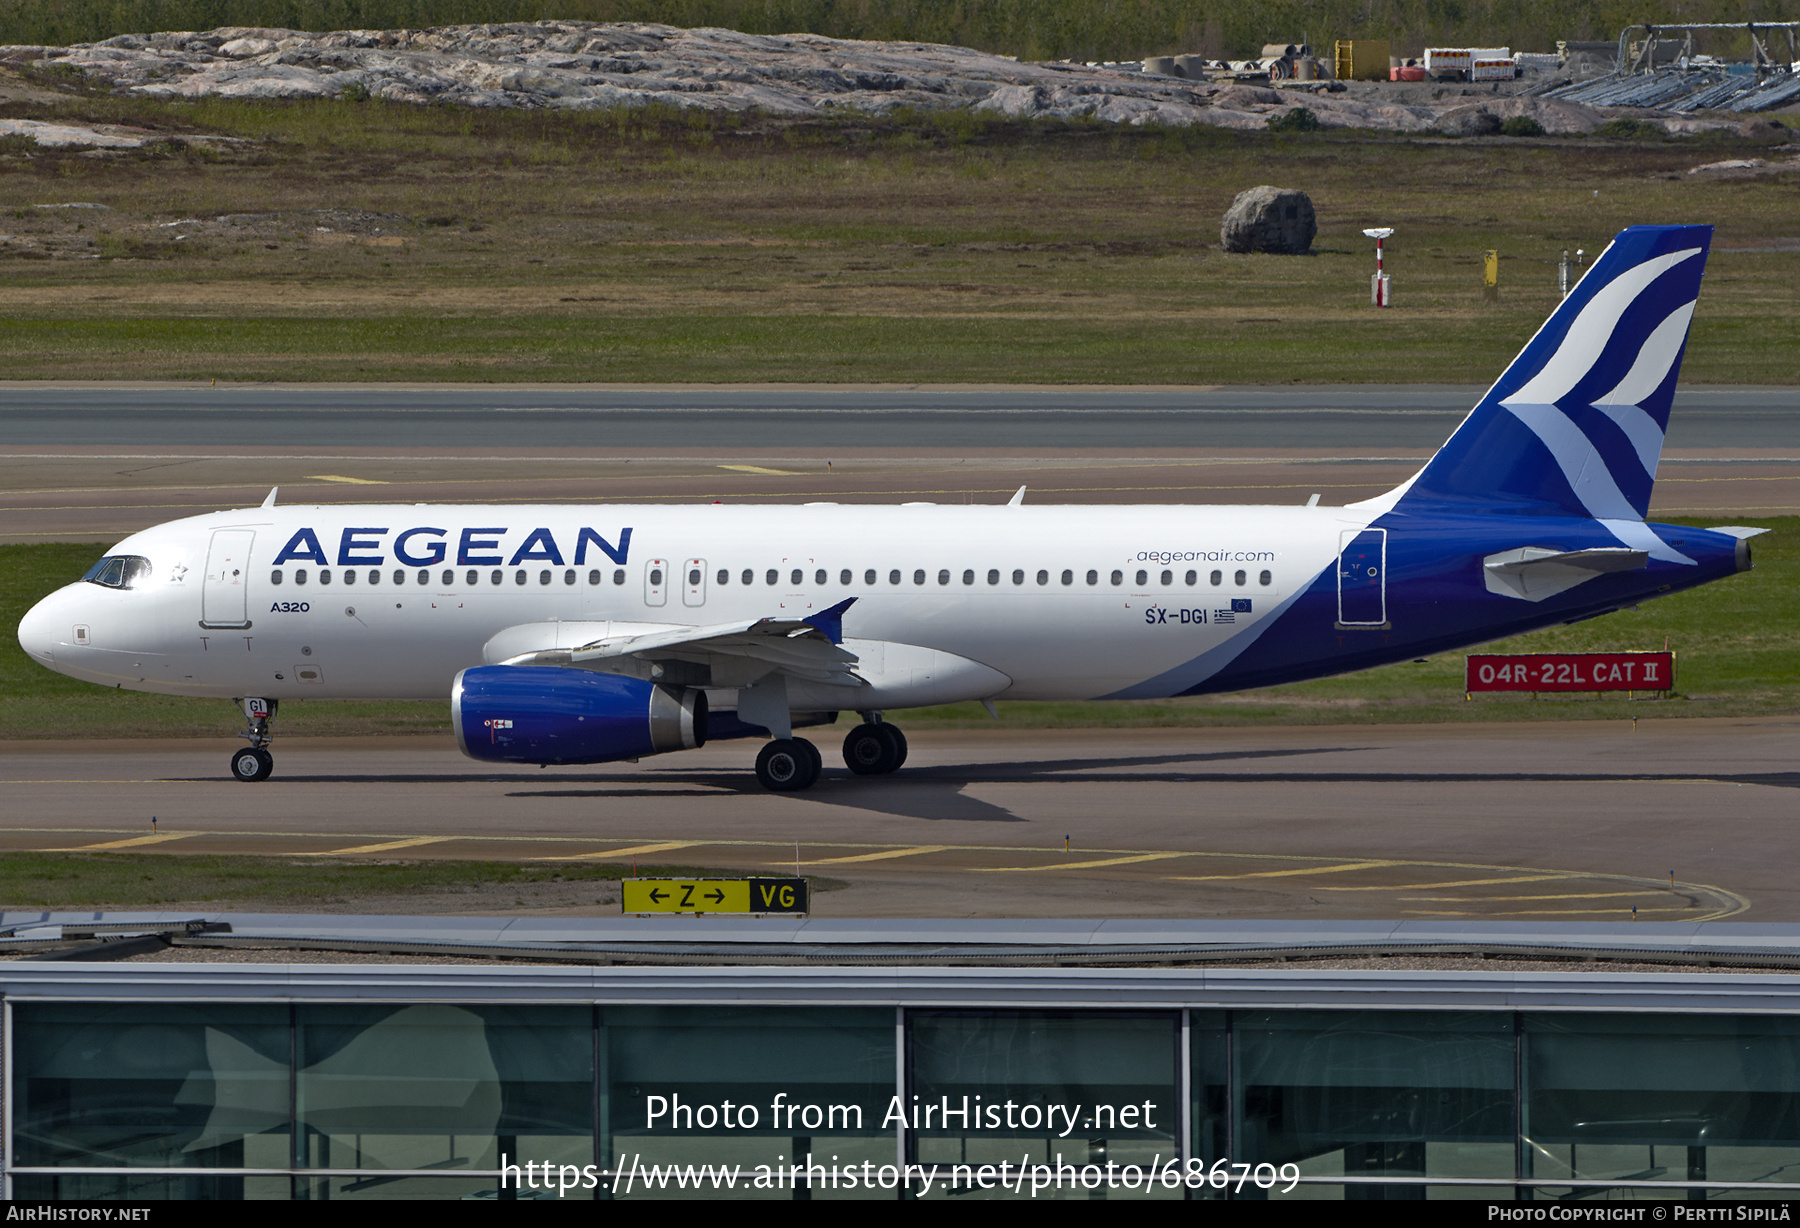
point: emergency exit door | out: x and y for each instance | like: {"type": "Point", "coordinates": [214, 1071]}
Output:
{"type": "Point", "coordinates": [1362, 578]}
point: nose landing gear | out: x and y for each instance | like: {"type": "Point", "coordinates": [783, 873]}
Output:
{"type": "Point", "coordinates": [254, 762]}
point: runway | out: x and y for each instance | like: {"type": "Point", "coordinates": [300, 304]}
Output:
{"type": "Point", "coordinates": [777, 417]}
{"type": "Point", "coordinates": [1523, 822]}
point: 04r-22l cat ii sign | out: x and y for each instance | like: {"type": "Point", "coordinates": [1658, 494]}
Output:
{"type": "Point", "coordinates": [578, 635]}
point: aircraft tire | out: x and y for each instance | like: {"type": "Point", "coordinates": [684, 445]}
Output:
{"type": "Point", "coordinates": [252, 763]}
{"type": "Point", "coordinates": [898, 741]}
{"type": "Point", "coordinates": [788, 765]}
{"type": "Point", "coordinates": [869, 751]}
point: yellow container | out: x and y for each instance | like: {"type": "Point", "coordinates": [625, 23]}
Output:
{"type": "Point", "coordinates": [1365, 59]}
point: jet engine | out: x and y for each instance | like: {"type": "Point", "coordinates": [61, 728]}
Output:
{"type": "Point", "coordinates": [538, 714]}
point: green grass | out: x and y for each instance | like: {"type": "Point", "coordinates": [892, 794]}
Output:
{"type": "Point", "coordinates": [113, 880]}
{"type": "Point", "coordinates": [657, 246]}
{"type": "Point", "coordinates": [1737, 640]}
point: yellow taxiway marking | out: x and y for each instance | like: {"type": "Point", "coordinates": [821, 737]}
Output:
{"type": "Point", "coordinates": [1078, 865]}
{"type": "Point", "coordinates": [634, 851]}
{"type": "Point", "coordinates": [1354, 865]}
{"type": "Point", "coordinates": [1489, 899]}
{"type": "Point", "coordinates": [125, 844]}
{"type": "Point", "coordinates": [415, 842]}
{"type": "Point", "coordinates": [786, 473]}
{"type": "Point", "coordinates": [338, 477]}
{"type": "Point", "coordinates": [890, 853]}
{"type": "Point", "coordinates": [1463, 882]}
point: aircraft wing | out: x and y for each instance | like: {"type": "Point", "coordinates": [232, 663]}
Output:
{"type": "Point", "coordinates": [807, 649]}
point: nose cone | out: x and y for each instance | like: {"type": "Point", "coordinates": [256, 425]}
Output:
{"type": "Point", "coordinates": [44, 626]}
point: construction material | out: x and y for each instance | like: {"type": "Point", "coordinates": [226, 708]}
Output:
{"type": "Point", "coordinates": [1363, 59]}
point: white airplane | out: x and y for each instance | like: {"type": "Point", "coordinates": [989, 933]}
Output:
{"type": "Point", "coordinates": [595, 634]}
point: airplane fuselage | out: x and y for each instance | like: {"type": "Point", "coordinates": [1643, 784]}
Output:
{"type": "Point", "coordinates": [952, 602]}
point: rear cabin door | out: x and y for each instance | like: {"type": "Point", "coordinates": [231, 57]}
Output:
{"type": "Point", "coordinates": [224, 596]}
{"type": "Point", "coordinates": [1362, 578]}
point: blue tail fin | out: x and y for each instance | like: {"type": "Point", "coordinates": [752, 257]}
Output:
{"type": "Point", "coordinates": [1575, 425]}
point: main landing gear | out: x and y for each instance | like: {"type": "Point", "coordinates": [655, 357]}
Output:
{"type": "Point", "coordinates": [788, 765]}
{"type": "Point", "coordinates": [874, 748]}
{"type": "Point", "coordinates": [254, 762]}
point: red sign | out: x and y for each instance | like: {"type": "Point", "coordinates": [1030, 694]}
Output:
{"type": "Point", "coordinates": [1572, 671]}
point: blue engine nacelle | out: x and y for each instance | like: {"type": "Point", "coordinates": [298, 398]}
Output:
{"type": "Point", "coordinates": [542, 714]}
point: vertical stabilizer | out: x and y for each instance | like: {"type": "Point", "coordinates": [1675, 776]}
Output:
{"type": "Point", "coordinates": [1576, 424]}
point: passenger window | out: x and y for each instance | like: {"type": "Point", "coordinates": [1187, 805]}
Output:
{"type": "Point", "coordinates": [324, 575]}
{"type": "Point", "coordinates": [1018, 575]}
{"type": "Point", "coordinates": [724, 576]}
{"type": "Point", "coordinates": [569, 576]}
{"type": "Point", "coordinates": [1143, 578]}
{"type": "Point", "coordinates": [919, 576]}
{"type": "Point", "coordinates": [618, 575]}
{"type": "Point", "coordinates": [1068, 577]}
{"type": "Point", "coordinates": [1118, 577]}
{"type": "Point", "coordinates": [844, 577]}
{"type": "Point", "coordinates": [349, 576]}
{"type": "Point", "coordinates": [375, 576]}
{"type": "Point", "coordinates": [497, 577]}
{"type": "Point", "coordinates": [1093, 577]}
{"type": "Point", "coordinates": [749, 577]}
{"type": "Point", "coordinates": [693, 577]}
{"type": "Point", "coordinates": [544, 577]}
{"type": "Point", "coordinates": [449, 578]}
{"type": "Point", "coordinates": [299, 575]}
{"type": "Point", "coordinates": [400, 576]}
{"type": "Point", "coordinates": [797, 578]}
{"type": "Point", "coordinates": [424, 577]}
{"type": "Point", "coordinates": [1043, 577]}
{"type": "Point", "coordinates": [1168, 578]}
{"type": "Point", "coordinates": [519, 576]}
{"type": "Point", "coordinates": [869, 576]}
{"type": "Point", "coordinates": [819, 577]}
{"type": "Point", "coordinates": [943, 576]}
{"type": "Point", "coordinates": [594, 576]}
{"type": "Point", "coordinates": [1191, 577]}
{"type": "Point", "coordinates": [1266, 579]}
{"type": "Point", "coordinates": [774, 577]}
{"type": "Point", "coordinates": [969, 576]}
{"type": "Point", "coordinates": [894, 576]}
{"type": "Point", "coordinates": [656, 577]}
{"type": "Point", "coordinates": [1239, 579]}
{"type": "Point", "coordinates": [993, 575]}
{"type": "Point", "coordinates": [1218, 578]}
{"type": "Point", "coordinates": [472, 579]}
{"type": "Point", "coordinates": [275, 577]}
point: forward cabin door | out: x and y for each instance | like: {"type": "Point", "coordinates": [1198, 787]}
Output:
{"type": "Point", "coordinates": [225, 593]}
{"type": "Point", "coordinates": [1362, 578]}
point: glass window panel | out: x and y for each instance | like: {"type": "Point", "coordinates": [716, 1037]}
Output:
{"type": "Point", "coordinates": [1662, 1097]}
{"type": "Point", "coordinates": [1209, 1056]}
{"type": "Point", "coordinates": [1109, 1080]}
{"type": "Point", "coordinates": [154, 1084]}
{"type": "Point", "coordinates": [1370, 1093]}
{"type": "Point", "coordinates": [781, 1070]}
{"type": "Point", "coordinates": [437, 1086]}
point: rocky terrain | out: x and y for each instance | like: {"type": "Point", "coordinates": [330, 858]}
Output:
{"type": "Point", "coordinates": [584, 65]}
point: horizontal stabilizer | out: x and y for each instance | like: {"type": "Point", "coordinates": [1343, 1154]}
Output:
{"type": "Point", "coordinates": [1536, 572]}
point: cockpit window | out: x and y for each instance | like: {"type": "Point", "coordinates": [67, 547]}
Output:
{"type": "Point", "coordinates": [119, 571]}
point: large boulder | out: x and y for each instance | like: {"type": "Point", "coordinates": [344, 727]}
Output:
{"type": "Point", "coordinates": [1267, 219]}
